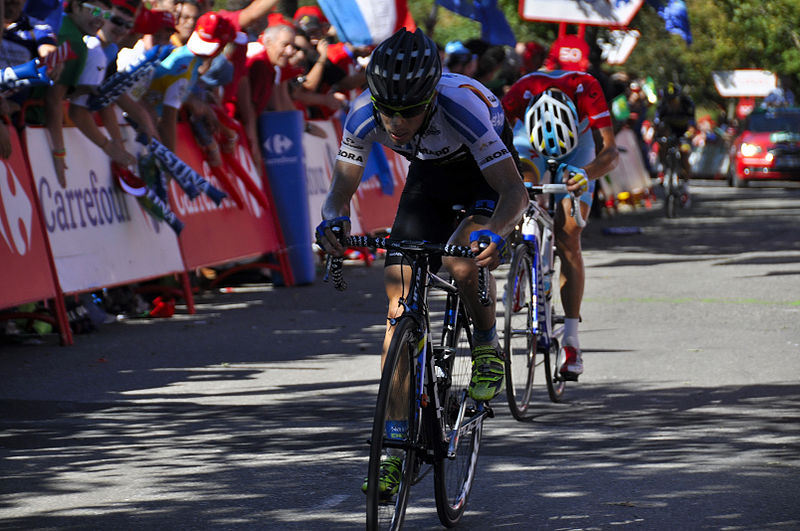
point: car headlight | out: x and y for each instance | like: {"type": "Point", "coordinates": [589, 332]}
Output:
{"type": "Point", "coordinates": [749, 150]}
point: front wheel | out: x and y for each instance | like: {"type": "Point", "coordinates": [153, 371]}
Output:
{"type": "Point", "coordinates": [453, 476]}
{"type": "Point", "coordinates": [396, 405]}
{"type": "Point", "coordinates": [519, 342]}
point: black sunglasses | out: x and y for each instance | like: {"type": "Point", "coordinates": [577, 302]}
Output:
{"type": "Point", "coordinates": [121, 22]}
{"type": "Point", "coordinates": [403, 112]}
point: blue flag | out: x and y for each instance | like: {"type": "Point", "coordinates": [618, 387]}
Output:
{"type": "Point", "coordinates": [675, 15]}
{"type": "Point", "coordinates": [494, 26]}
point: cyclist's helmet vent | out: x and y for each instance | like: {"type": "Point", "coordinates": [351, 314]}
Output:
{"type": "Point", "coordinates": [552, 123]}
{"type": "Point", "coordinates": [404, 69]}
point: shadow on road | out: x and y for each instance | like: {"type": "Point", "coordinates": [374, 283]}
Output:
{"type": "Point", "coordinates": [299, 465]}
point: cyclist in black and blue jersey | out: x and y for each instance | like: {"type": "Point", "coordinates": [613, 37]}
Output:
{"type": "Point", "coordinates": [453, 131]}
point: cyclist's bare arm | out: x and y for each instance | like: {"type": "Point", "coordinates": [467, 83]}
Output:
{"type": "Point", "coordinates": [505, 179]}
{"type": "Point", "coordinates": [346, 178]}
{"type": "Point", "coordinates": [605, 161]}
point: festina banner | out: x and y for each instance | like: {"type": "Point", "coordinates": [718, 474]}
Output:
{"type": "Point", "coordinates": [615, 13]}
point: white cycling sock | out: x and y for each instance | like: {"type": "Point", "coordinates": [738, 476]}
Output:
{"type": "Point", "coordinates": [571, 332]}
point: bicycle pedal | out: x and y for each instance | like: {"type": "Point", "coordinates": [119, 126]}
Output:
{"type": "Point", "coordinates": [567, 377]}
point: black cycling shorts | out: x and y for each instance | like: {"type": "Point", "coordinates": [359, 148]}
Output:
{"type": "Point", "coordinates": [436, 192]}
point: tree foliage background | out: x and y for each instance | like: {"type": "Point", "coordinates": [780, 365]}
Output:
{"type": "Point", "coordinates": [727, 35]}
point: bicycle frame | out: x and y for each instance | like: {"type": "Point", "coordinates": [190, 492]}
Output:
{"type": "Point", "coordinates": [415, 305]}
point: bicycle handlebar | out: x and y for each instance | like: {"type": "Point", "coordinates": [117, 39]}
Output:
{"type": "Point", "coordinates": [334, 264]}
{"type": "Point", "coordinates": [575, 210]}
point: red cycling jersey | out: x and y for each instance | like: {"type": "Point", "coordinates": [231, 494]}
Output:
{"type": "Point", "coordinates": [582, 88]}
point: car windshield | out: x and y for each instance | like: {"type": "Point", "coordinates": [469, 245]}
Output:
{"type": "Point", "coordinates": [767, 122]}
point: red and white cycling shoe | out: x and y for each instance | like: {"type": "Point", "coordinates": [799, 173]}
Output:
{"type": "Point", "coordinates": [571, 365]}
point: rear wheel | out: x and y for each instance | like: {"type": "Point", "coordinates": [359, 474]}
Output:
{"type": "Point", "coordinates": [519, 342]}
{"type": "Point", "coordinates": [453, 476]}
{"type": "Point", "coordinates": [396, 402]}
{"type": "Point", "coordinates": [555, 383]}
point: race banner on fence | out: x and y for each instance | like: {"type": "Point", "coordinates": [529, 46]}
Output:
{"type": "Point", "coordinates": [376, 202]}
{"type": "Point", "coordinates": [215, 234]}
{"type": "Point", "coordinates": [320, 158]}
{"type": "Point", "coordinates": [25, 273]}
{"type": "Point", "coordinates": [99, 235]}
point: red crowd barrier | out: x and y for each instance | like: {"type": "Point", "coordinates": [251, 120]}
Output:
{"type": "Point", "coordinates": [92, 235]}
{"type": "Point", "coordinates": [28, 272]}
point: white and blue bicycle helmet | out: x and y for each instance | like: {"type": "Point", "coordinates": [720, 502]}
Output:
{"type": "Point", "coordinates": [552, 124]}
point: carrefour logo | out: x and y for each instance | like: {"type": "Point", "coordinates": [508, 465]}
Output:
{"type": "Point", "coordinates": [16, 212]}
{"type": "Point", "coordinates": [278, 144]}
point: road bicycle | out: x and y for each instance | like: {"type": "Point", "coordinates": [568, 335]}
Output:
{"type": "Point", "coordinates": [430, 378]}
{"type": "Point", "coordinates": [532, 300]}
{"type": "Point", "coordinates": [673, 190]}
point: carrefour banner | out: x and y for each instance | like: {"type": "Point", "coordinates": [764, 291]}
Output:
{"type": "Point", "coordinates": [99, 235]}
{"type": "Point", "coordinates": [320, 159]}
{"type": "Point", "coordinates": [281, 135]}
{"type": "Point", "coordinates": [25, 274]}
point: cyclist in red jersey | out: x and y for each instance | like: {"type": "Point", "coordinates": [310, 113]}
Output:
{"type": "Point", "coordinates": [560, 113]}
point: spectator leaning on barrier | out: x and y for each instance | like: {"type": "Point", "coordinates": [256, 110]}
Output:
{"type": "Point", "coordinates": [101, 51]}
{"type": "Point", "coordinates": [177, 74]}
{"type": "Point", "coordinates": [23, 39]}
{"type": "Point", "coordinates": [81, 19]}
{"type": "Point", "coordinates": [155, 28]}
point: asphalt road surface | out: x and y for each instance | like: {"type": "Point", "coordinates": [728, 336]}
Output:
{"type": "Point", "coordinates": [253, 413]}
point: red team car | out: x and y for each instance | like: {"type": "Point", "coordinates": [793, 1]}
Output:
{"type": "Point", "coordinates": [767, 147]}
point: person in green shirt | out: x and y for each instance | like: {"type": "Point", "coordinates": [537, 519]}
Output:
{"type": "Point", "coordinates": [81, 18]}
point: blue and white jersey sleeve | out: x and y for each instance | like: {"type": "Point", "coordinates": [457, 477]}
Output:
{"type": "Point", "coordinates": [360, 131]}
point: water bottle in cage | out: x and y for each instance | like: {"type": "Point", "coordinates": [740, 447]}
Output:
{"type": "Point", "coordinates": [530, 229]}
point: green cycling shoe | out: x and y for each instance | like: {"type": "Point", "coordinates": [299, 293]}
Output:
{"type": "Point", "coordinates": [389, 481]}
{"type": "Point", "coordinates": [488, 372]}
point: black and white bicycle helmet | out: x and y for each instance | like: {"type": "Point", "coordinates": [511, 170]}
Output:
{"type": "Point", "coordinates": [404, 69]}
{"type": "Point", "coordinates": [552, 124]}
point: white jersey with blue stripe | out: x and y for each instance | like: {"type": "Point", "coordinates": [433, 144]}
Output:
{"type": "Point", "coordinates": [467, 120]}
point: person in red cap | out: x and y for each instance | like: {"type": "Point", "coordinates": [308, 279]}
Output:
{"type": "Point", "coordinates": [177, 74]}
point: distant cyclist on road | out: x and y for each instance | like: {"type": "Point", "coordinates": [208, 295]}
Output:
{"type": "Point", "coordinates": [674, 121]}
{"type": "Point", "coordinates": [559, 114]}
{"type": "Point", "coordinates": [453, 131]}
